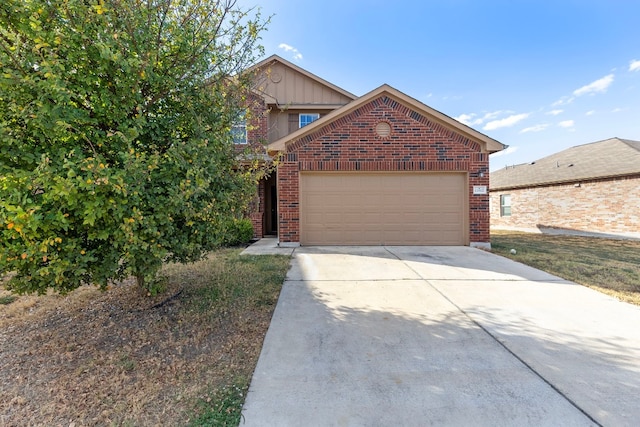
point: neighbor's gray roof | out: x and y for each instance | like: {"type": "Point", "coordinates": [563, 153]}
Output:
{"type": "Point", "coordinates": [603, 159]}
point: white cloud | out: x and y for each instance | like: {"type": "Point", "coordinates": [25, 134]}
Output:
{"type": "Point", "coordinates": [506, 122]}
{"type": "Point", "coordinates": [555, 112]}
{"type": "Point", "coordinates": [590, 113]}
{"type": "Point", "coordinates": [536, 128]}
{"type": "Point", "coordinates": [288, 48]}
{"type": "Point", "coordinates": [600, 85]}
{"type": "Point", "coordinates": [465, 118]}
{"type": "Point", "coordinates": [566, 124]}
{"type": "Point", "coordinates": [495, 114]}
{"type": "Point", "coordinates": [563, 101]}
{"type": "Point", "coordinates": [472, 119]}
{"type": "Point", "coordinates": [617, 110]}
{"type": "Point", "coordinates": [634, 65]}
{"type": "Point", "coordinates": [505, 152]}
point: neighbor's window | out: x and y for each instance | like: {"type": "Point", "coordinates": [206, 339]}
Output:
{"type": "Point", "coordinates": [239, 129]}
{"type": "Point", "coordinates": [305, 119]}
{"type": "Point", "coordinates": [505, 205]}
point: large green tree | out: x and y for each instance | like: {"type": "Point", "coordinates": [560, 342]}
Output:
{"type": "Point", "coordinates": [116, 152]}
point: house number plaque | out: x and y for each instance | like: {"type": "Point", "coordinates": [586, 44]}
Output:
{"type": "Point", "coordinates": [479, 190]}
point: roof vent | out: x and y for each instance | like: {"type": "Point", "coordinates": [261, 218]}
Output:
{"type": "Point", "coordinates": [383, 129]}
{"type": "Point", "coordinates": [276, 77]}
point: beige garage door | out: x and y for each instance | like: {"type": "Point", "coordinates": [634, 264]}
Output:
{"type": "Point", "coordinates": [383, 208]}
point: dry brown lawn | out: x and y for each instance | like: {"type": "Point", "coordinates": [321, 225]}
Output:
{"type": "Point", "coordinates": [121, 358]}
{"type": "Point", "coordinates": [607, 265]}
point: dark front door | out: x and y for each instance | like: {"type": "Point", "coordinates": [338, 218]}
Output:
{"type": "Point", "coordinates": [271, 206]}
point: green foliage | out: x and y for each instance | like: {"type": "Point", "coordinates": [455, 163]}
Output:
{"type": "Point", "coordinates": [237, 231]}
{"type": "Point", "coordinates": [115, 143]}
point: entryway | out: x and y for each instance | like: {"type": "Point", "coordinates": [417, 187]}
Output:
{"type": "Point", "coordinates": [271, 206]}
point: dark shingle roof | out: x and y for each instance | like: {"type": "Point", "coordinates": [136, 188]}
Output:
{"type": "Point", "coordinates": [603, 159]}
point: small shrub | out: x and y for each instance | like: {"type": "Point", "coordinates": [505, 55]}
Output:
{"type": "Point", "coordinates": [237, 232]}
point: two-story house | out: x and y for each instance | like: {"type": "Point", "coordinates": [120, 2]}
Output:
{"type": "Point", "coordinates": [379, 169]}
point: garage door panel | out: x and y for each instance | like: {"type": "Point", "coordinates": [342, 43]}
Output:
{"type": "Point", "coordinates": [383, 208]}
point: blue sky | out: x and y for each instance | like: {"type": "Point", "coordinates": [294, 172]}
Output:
{"type": "Point", "coordinates": [539, 76]}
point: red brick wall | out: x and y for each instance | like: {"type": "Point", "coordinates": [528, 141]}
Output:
{"type": "Point", "coordinates": [257, 211]}
{"type": "Point", "coordinates": [256, 139]}
{"type": "Point", "coordinates": [352, 144]}
{"type": "Point", "coordinates": [609, 206]}
{"type": "Point", "coordinates": [257, 126]}
{"type": "Point", "coordinates": [288, 212]}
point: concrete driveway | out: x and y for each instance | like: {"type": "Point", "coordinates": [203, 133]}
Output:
{"type": "Point", "coordinates": [416, 336]}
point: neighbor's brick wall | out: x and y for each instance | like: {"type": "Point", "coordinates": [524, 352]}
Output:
{"type": "Point", "coordinates": [609, 206]}
{"type": "Point", "coordinates": [351, 144]}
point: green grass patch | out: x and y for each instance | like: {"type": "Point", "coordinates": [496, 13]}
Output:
{"type": "Point", "coordinates": [7, 299]}
{"type": "Point", "coordinates": [611, 266]}
{"type": "Point", "coordinates": [226, 281]}
{"type": "Point", "coordinates": [223, 406]}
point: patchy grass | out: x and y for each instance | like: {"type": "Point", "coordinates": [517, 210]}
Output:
{"type": "Point", "coordinates": [222, 407]}
{"type": "Point", "coordinates": [610, 266]}
{"type": "Point", "coordinates": [7, 299]}
{"type": "Point", "coordinates": [120, 358]}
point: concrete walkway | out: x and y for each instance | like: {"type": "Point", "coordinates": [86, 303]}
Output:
{"type": "Point", "coordinates": [267, 246]}
{"type": "Point", "coordinates": [415, 336]}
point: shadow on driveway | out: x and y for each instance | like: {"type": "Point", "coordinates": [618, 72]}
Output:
{"type": "Point", "coordinates": [441, 336]}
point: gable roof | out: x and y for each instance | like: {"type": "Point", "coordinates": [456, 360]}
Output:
{"type": "Point", "coordinates": [603, 159]}
{"type": "Point", "coordinates": [488, 144]}
{"type": "Point", "coordinates": [268, 62]}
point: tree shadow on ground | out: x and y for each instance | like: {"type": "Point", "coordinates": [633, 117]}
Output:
{"type": "Point", "coordinates": [399, 353]}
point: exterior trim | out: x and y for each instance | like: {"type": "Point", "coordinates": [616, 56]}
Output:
{"type": "Point", "coordinates": [415, 109]}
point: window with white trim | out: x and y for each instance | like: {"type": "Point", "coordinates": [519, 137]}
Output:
{"type": "Point", "coordinates": [239, 128]}
{"type": "Point", "coordinates": [505, 205]}
{"type": "Point", "coordinates": [306, 118]}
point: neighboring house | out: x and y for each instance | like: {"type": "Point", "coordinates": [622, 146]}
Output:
{"type": "Point", "coordinates": [380, 169]}
{"type": "Point", "coordinates": [591, 188]}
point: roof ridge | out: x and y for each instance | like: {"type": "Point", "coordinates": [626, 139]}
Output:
{"type": "Point", "coordinates": [631, 143]}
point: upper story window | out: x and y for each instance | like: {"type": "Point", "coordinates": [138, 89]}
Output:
{"type": "Point", "coordinates": [239, 129]}
{"type": "Point", "coordinates": [505, 205]}
{"type": "Point", "coordinates": [306, 118]}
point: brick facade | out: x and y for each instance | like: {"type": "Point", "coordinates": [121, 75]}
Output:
{"type": "Point", "coordinates": [257, 129]}
{"type": "Point", "coordinates": [257, 211]}
{"type": "Point", "coordinates": [607, 206]}
{"type": "Point", "coordinates": [350, 143]}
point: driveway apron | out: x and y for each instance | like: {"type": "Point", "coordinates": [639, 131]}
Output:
{"type": "Point", "coordinates": [415, 336]}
